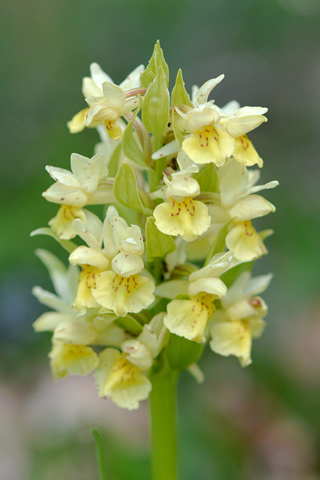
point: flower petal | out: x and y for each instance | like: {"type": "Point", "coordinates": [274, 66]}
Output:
{"type": "Point", "coordinates": [133, 79]}
{"type": "Point", "coordinates": [120, 380]}
{"type": "Point", "coordinates": [72, 360]}
{"type": "Point", "coordinates": [126, 264]}
{"type": "Point", "coordinates": [78, 121]}
{"type": "Point", "coordinates": [61, 224]}
{"type": "Point", "coordinates": [232, 338]}
{"type": "Point", "coordinates": [63, 194]}
{"type": "Point", "coordinates": [211, 145]}
{"type": "Point", "coordinates": [49, 321]}
{"type": "Point", "coordinates": [98, 75]}
{"type": "Point", "coordinates": [201, 95]}
{"type": "Point", "coordinates": [252, 206]}
{"type": "Point", "coordinates": [123, 295]}
{"type": "Point", "coordinates": [187, 318]}
{"type": "Point", "coordinates": [245, 152]}
{"type": "Point", "coordinates": [189, 218]}
{"type": "Point", "coordinates": [245, 242]}
{"type": "Point", "coordinates": [214, 286]}
{"type": "Point", "coordinates": [84, 255]}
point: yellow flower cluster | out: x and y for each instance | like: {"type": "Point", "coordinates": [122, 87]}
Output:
{"type": "Point", "coordinates": [170, 260]}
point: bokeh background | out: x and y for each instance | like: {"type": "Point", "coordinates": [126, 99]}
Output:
{"type": "Point", "coordinates": [258, 423]}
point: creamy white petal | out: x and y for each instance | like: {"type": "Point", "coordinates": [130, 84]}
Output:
{"type": "Point", "coordinates": [126, 264]}
{"type": "Point", "coordinates": [201, 95]}
{"type": "Point", "coordinates": [168, 149]}
{"type": "Point", "coordinates": [182, 187]}
{"type": "Point", "coordinates": [214, 286]}
{"type": "Point", "coordinates": [88, 235]}
{"type": "Point", "coordinates": [63, 176]}
{"type": "Point", "coordinates": [62, 194]}
{"type": "Point", "coordinates": [258, 188]}
{"type": "Point", "coordinates": [233, 178]}
{"type": "Point", "coordinates": [138, 354]}
{"type": "Point", "coordinates": [98, 75]}
{"type": "Point", "coordinates": [75, 332]}
{"type": "Point", "coordinates": [133, 79]}
{"type": "Point", "coordinates": [252, 206]}
{"type": "Point", "coordinates": [115, 95]}
{"type": "Point", "coordinates": [257, 285]}
{"type": "Point", "coordinates": [57, 270]}
{"type": "Point", "coordinates": [51, 300]}
{"type": "Point", "coordinates": [49, 321]}
{"type": "Point", "coordinates": [88, 256]}
{"type": "Point", "coordinates": [245, 120]}
{"type": "Point", "coordinates": [231, 107]}
{"type": "Point", "coordinates": [85, 171]}
{"type": "Point", "coordinates": [90, 88]}
{"type": "Point", "coordinates": [218, 265]}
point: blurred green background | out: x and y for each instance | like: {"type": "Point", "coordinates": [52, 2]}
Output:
{"type": "Point", "coordinates": [258, 423]}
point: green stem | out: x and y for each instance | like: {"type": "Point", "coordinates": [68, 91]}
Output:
{"type": "Point", "coordinates": [164, 426]}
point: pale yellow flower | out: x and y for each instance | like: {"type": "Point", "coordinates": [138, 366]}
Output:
{"type": "Point", "coordinates": [85, 185]}
{"type": "Point", "coordinates": [189, 317]}
{"type": "Point", "coordinates": [240, 318]}
{"type": "Point", "coordinates": [121, 381]}
{"type": "Point", "coordinates": [209, 141]}
{"type": "Point", "coordinates": [212, 144]}
{"type": "Point", "coordinates": [68, 359]}
{"type": "Point", "coordinates": [61, 224]}
{"type": "Point", "coordinates": [245, 242]}
{"type": "Point", "coordinates": [121, 289]}
{"type": "Point", "coordinates": [238, 124]}
{"type": "Point", "coordinates": [123, 294]}
{"type": "Point", "coordinates": [238, 200]}
{"type": "Point", "coordinates": [180, 214]}
{"type": "Point", "coordinates": [107, 101]}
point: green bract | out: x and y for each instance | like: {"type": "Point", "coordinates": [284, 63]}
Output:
{"type": "Point", "coordinates": [155, 110]}
{"type": "Point", "coordinates": [158, 244]}
{"type": "Point", "coordinates": [126, 189]}
{"type": "Point", "coordinates": [181, 353]}
{"type": "Point", "coordinates": [179, 95]}
{"type": "Point", "coordinates": [156, 61]}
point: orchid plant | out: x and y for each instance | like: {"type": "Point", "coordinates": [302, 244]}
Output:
{"type": "Point", "coordinates": [167, 269]}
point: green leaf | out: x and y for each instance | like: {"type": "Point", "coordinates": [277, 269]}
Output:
{"type": "Point", "coordinates": [113, 164]}
{"type": "Point", "coordinates": [67, 244]}
{"type": "Point", "coordinates": [129, 143]}
{"type": "Point", "coordinates": [101, 462]}
{"type": "Point", "coordinates": [126, 190]}
{"type": "Point", "coordinates": [179, 95]}
{"type": "Point", "coordinates": [181, 352]}
{"type": "Point", "coordinates": [155, 110]}
{"type": "Point", "coordinates": [231, 275]}
{"type": "Point", "coordinates": [158, 243]}
{"type": "Point", "coordinates": [208, 178]}
{"type": "Point", "coordinates": [219, 243]}
{"type": "Point", "coordinates": [129, 324]}
{"type": "Point", "coordinates": [156, 61]}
